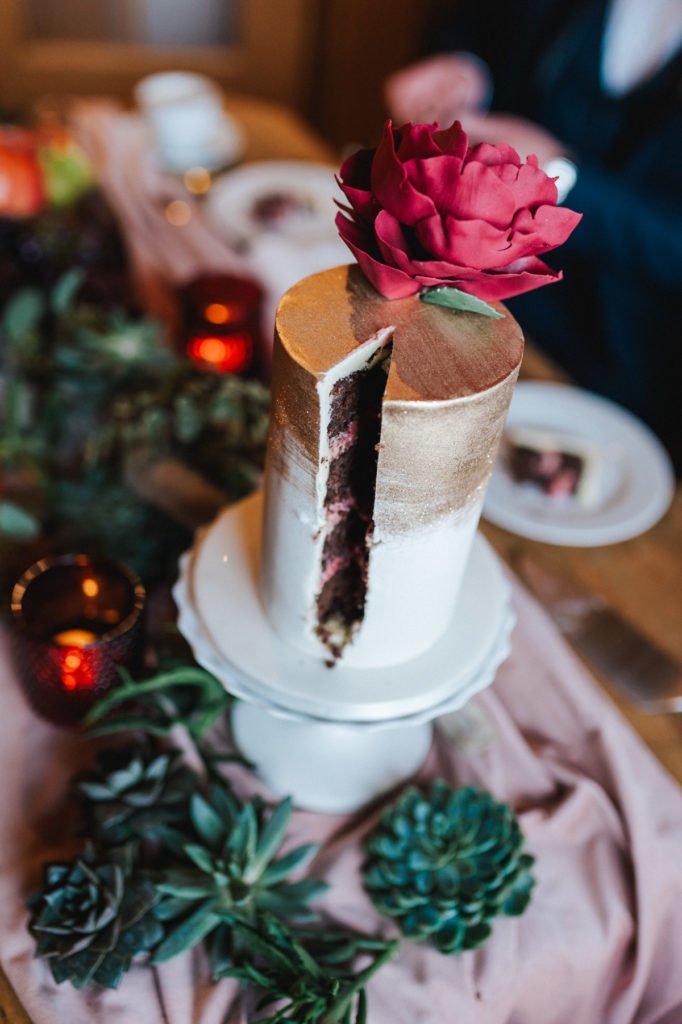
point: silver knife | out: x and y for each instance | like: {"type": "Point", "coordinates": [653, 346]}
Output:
{"type": "Point", "coordinates": [605, 640]}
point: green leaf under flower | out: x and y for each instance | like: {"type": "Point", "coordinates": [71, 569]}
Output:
{"type": "Point", "coordinates": [453, 298]}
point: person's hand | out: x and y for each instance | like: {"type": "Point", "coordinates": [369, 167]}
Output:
{"type": "Point", "coordinates": [525, 136]}
{"type": "Point", "coordinates": [440, 88]}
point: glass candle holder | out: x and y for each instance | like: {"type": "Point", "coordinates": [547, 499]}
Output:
{"type": "Point", "coordinates": [222, 323]}
{"type": "Point", "coordinates": [77, 620]}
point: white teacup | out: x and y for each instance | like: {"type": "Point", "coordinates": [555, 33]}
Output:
{"type": "Point", "coordinates": [185, 113]}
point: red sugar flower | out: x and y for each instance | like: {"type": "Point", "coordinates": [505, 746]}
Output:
{"type": "Point", "coordinates": [425, 210]}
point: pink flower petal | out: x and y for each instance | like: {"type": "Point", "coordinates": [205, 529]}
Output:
{"type": "Point", "coordinates": [469, 243]}
{"type": "Point", "coordinates": [362, 202]}
{"type": "Point", "coordinates": [391, 188]}
{"type": "Point", "coordinates": [390, 281]}
{"type": "Point", "coordinates": [475, 194]}
{"type": "Point", "coordinates": [356, 169]}
{"type": "Point", "coordinates": [549, 225]}
{"type": "Point", "coordinates": [438, 177]}
{"type": "Point", "coordinates": [519, 277]}
{"type": "Point", "coordinates": [452, 141]}
{"type": "Point", "coordinates": [391, 241]}
{"type": "Point", "coordinates": [533, 187]}
{"type": "Point", "coordinates": [416, 140]}
{"type": "Point", "coordinates": [491, 156]}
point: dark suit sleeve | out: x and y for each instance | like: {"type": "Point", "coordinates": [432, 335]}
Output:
{"type": "Point", "coordinates": [638, 234]}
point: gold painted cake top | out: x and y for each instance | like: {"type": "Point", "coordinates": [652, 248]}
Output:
{"type": "Point", "coordinates": [438, 354]}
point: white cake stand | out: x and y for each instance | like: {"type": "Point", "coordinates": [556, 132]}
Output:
{"type": "Point", "coordinates": [333, 738]}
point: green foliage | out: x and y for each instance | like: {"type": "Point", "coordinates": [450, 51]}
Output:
{"type": "Point", "coordinates": [232, 873]}
{"type": "Point", "coordinates": [134, 793]}
{"type": "Point", "coordinates": [92, 394]}
{"type": "Point", "coordinates": [179, 859]}
{"type": "Point", "coordinates": [308, 977]}
{"type": "Point", "coordinates": [92, 916]}
{"type": "Point", "coordinates": [446, 864]}
{"type": "Point", "coordinates": [181, 694]}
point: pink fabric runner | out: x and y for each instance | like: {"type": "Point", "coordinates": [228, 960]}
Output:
{"type": "Point", "coordinates": [164, 254]}
{"type": "Point", "coordinates": [600, 944]}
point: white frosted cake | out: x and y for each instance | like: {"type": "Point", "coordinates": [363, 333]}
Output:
{"type": "Point", "coordinates": [385, 423]}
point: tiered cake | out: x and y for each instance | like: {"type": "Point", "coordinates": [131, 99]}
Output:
{"type": "Point", "coordinates": [385, 423]}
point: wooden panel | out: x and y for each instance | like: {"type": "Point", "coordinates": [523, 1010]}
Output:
{"type": "Point", "coordinates": [270, 60]}
{"type": "Point", "coordinates": [359, 44]}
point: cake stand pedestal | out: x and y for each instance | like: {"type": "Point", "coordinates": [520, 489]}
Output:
{"type": "Point", "coordinates": [332, 738]}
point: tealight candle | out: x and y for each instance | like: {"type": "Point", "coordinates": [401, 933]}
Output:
{"type": "Point", "coordinates": [77, 619]}
{"type": "Point", "coordinates": [222, 323]}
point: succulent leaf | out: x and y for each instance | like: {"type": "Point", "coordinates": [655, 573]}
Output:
{"type": "Point", "coordinates": [232, 875]}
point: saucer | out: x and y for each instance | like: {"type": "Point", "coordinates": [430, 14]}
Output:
{"type": "Point", "coordinates": [226, 148]}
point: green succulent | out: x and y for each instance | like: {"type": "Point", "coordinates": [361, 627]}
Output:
{"type": "Point", "coordinates": [92, 916]}
{"type": "Point", "coordinates": [135, 791]}
{"type": "Point", "coordinates": [233, 875]}
{"type": "Point", "coordinates": [446, 864]}
{"type": "Point", "coordinates": [309, 976]}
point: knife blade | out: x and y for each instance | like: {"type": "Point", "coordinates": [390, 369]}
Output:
{"type": "Point", "coordinates": [605, 640]}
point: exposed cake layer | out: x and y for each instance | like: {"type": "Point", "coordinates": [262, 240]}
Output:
{"type": "Point", "coordinates": [353, 433]}
{"type": "Point", "coordinates": [449, 384]}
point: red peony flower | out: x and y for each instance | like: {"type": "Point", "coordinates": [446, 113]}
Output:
{"type": "Point", "coordinates": [21, 181]}
{"type": "Point", "coordinates": [428, 211]}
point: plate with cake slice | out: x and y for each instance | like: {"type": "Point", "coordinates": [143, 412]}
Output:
{"type": "Point", "coordinates": [575, 469]}
{"type": "Point", "coordinates": [286, 198]}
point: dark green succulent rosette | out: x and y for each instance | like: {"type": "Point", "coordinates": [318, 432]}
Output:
{"type": "Point", "coordinates": [92, 916]}
{"type": "Point", "coordinates": [445, 864]}
{"type": "Point", "coordinates": [134, 792]}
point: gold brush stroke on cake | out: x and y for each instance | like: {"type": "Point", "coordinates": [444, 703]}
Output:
{"type": "Point", "coordinates": [449, 386]}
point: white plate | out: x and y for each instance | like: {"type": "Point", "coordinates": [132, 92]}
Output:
{"type": "Point", "coordinates": [221, 615]}
{"type": "Point", "coordinates": [231, 203]}
{"type": "Point", "coordinates": [636, 477]}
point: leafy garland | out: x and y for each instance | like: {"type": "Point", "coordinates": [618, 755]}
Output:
{"type": "Point", "coordinates": [90, 398]}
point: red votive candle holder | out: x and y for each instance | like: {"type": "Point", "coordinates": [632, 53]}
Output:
{"type": "Point", "coordinates": [77, 620]}
{"type": "Point", "coordinates": [222, 323]}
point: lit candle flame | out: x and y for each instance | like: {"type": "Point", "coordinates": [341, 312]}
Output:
{"type": "Point", "coordinates": [227, 355]}
{"type": "Point", "coordinates": [90, 587]}
{"type": "Point", "coordinates": [74, 638]}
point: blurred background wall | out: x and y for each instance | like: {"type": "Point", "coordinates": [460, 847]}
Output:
{"type": "Point", "coordinates": [324, 58]}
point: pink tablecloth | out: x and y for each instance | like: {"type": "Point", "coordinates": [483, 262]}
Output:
{"type": "Point", "coordinates": [165, 254]}
{"type": "Point", "coordinates": [600, 944]}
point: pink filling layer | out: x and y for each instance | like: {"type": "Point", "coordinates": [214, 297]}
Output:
{"type": "Point", "coordinates": [337, 511]}
{"type": "Point", "coordinates": [332, 567]}
{"type": "Point", "coordinates": [343, 441]}
{"type": "Point", "coordinates": [337, 563]}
